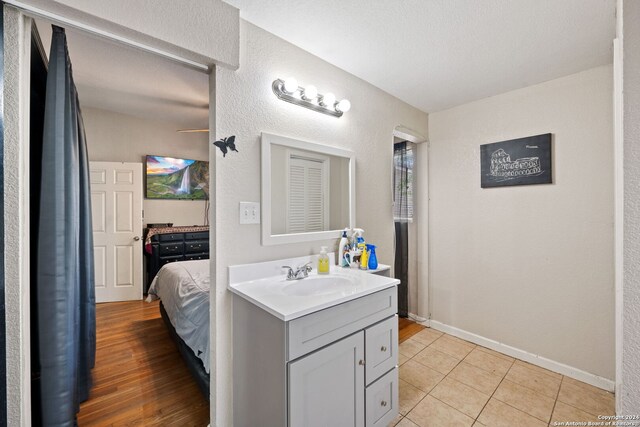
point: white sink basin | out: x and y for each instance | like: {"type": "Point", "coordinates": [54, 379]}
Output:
{"type": "Point", "coordinates": [318, 285]}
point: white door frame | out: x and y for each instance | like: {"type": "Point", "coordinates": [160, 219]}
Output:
{"type": "Point", "coordinates": [421, 216]}
{"type": "Point", "coordinates": [17, 57]}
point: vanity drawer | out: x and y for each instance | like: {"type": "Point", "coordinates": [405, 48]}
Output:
{"type": "Point", "coordinates": [171, 248]}
{"type": "Point", "coordinates": [173, 237]}
{"type": "Point", "coordinates": [382, 400]}
{"type": "Point", "coordinates": [381, 344]}
{"type": "Point", "coordinates": [318, 329]}
{"type": "Point", "coordinates": [196, 247]}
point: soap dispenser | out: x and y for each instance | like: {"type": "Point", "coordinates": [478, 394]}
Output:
{"type": "Point", "coordinates": [323, 261]}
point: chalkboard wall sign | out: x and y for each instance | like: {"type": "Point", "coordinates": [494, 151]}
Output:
{"type": "Point", "coordinates": [521, 161]}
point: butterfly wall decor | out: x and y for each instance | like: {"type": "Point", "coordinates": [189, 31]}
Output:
{"type": "Point", "coordinates": [226, 144]}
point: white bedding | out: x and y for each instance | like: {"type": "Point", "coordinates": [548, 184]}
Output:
{"type": "Point", "coordinates": [183, 288]}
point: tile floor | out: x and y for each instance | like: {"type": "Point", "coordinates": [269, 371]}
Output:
{"type": "Point", "coordinates": [445, 381]}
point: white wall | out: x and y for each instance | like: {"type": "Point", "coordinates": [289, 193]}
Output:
{"type": "Point", "coordinates": [205, 31]}
{"type": "Point", "coordinates": [247, 106]}
{"type": "Point", "coordinates": [630, 398]}
{"type": "Point", "coordinates": [114, 137]}
{"type": "Point", "coordinates": [528, 266]}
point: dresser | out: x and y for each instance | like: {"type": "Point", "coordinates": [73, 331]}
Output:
{"type": "Point", "coordinates": [171, 245]}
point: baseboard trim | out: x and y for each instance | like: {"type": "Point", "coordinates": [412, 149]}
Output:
{"type": "Point", "coordinates": [534, 359]}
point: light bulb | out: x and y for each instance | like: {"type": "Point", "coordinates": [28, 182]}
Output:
{"type": "Point", "coordinates": [343, 105]}
{"type": "Point", "coordinates": [329, 100]}
{"type": "Point", "coordinates": [290, 85]}
{"type": "Point", "coordinates": [310, 93]}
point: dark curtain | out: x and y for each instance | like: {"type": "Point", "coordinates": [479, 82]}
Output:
{"type": "Point", "coordinates": [65, 284]}
{"type": "Point", "coordinates": [36, 130]}
{"type": "Point", "coordinates": [401, 212]}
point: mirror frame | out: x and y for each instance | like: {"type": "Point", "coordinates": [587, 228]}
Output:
{"type": "Point", "coordinates": [269, 239]}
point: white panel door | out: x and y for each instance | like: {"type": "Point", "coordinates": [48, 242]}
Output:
{"type": "Point", "coordinates": [326, 388]}
{"type": "Point", "coordinates": [116, 204]}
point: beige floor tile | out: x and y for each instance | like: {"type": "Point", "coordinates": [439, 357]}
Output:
{"type": "Point", "coordinates": [587, 387]}
{"type": "Point", "coordinates": [460, 396]}
{"type": "Point", "coordinates": [410, 347]}
{"type": "Point", "coordinates": [402, 358]}
{"type": "Point", "coordinates": [406, 422]}
{"type": "Point", "coordinates": [477, 378]}
{"type": "Point", "coordinates": [437, 360]}
{"type": "Point", "coordinates": [420, 376]}
{"type": "Point", "coordinates": [459, 340]}
{"type": "Point", "coordinates": [478, 424]}
{"type": "Point", "coordinates": [538, 369]}
{"type": "Point", "coordinates": [495, 353]}
{"type": "Point", "coordinates": [431, 412]}
{"type": "Point", "coordinates": [409, 397]}
{"type": "Point", "coordinates": [427, 336]}
{"type": "Point", "coordinates": [525, 399]}
{"type": "Point", "coordinates": [564, 413]}
{"type": "Point", "coordinates": [498, 414]}
{"type": "Point", "coordinates": [453, 346]}
{"type": "Point", "coordinates": [488, 362]}
{"type": "Point", "coordinates": [586, 398]}
{"type": "Point", "coordinates": [535, 380]}
{"type": "Point", "coordinates": [396, 421]}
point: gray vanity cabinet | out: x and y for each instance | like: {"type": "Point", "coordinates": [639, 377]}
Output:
{"type": "Point", "coordinates": [326, 388]}
{"type": "Point", "coordinates": [334, 367]}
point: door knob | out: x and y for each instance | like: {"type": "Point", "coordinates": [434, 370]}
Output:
{"type": "Point", "coordinates": [136, 238]}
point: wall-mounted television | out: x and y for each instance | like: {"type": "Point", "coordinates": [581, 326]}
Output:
{"type": "Point", "coordinates": [171, 178]}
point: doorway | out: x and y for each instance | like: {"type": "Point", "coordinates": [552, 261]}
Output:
{"type": "Point", "coordinates": [410, 201]}
{"type": "Point", "coordinates": [133, 104]}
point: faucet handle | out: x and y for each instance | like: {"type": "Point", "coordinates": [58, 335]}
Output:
{"type": "Point", "coordinates": [290, 273]}
{"type": "Point", "coordinates": [307, 267]}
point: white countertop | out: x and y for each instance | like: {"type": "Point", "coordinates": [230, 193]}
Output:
{"type": "Point", "coordinates": [271, 293]}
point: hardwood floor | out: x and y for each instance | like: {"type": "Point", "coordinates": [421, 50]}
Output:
{"type": "Point", "coordinates": [139, 377]}
{"type": "Point", "coordinates": [407, 328]}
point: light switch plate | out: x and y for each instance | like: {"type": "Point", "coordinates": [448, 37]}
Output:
{"type": "Point", "coordinates": [249, 213]}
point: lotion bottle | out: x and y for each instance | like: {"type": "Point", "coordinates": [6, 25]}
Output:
{"type": "Point", "coordinates": [323, 261]}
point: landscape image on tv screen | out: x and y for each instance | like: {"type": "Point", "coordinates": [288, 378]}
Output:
{"type": "Point", "coordinates": [170, 178]}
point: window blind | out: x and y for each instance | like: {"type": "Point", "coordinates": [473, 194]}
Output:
{"type": "Point", "coordinates": [306, 210]}
{"type": "Point", "coordinates": [403, 158]}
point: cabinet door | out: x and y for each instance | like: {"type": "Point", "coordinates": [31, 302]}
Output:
{"type": "Point", "coordinates": [326, 388]}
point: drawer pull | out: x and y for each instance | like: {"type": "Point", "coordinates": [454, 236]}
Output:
{"type": "Point", "coordinates": [361, 362]}
{"type": "Point", "coordinates": [383, 403]}
{"type": "Point", "coordinates": [383, 348]}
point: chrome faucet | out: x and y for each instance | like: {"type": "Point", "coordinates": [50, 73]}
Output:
{"type": "Point", "coordinates": [300, 273]}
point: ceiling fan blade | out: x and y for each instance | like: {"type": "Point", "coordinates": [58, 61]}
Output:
{"type": "Point", "coordinates": [192, 130]}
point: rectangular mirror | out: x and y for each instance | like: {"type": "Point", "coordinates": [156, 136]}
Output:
{"type": "Point", "coordinates": [308, 190]}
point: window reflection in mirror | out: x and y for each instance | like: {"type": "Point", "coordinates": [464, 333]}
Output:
{"type": "Point", "coordinates": [309, 191]}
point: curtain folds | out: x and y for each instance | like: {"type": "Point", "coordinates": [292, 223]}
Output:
{"type": "Point", "coordinates": [402, 212]}
{"type": "Point", "coordinates": [65, 282]}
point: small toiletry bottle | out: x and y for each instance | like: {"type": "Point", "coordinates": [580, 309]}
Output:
{"type": "Point", "coordinates": [323, 261]}
{"type": "Point", "coordinates": [364, 258]}
{"type": "Point", "coordinates": [373, 259]}
{"type": "Point", "coordinates": [343, 250]}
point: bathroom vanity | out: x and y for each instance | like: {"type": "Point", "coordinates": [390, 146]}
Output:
{"type": "Point", "coordinates": [320, 351]}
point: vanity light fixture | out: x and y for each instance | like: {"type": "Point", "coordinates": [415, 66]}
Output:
{"type": "Point", "coordinates": [288, 90]}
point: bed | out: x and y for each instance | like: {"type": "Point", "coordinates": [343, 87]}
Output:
{"type": "Point", "coordinates": [183, 290]}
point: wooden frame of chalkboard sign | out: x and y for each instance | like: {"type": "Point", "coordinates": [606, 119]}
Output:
{"type": "Point", "coordinates": [522, 161]}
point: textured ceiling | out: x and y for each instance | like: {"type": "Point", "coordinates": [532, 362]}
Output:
{"type": "Point", "coordinates": [115, 77]}
{"type": "Point", "coordinates": [435, 54]}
